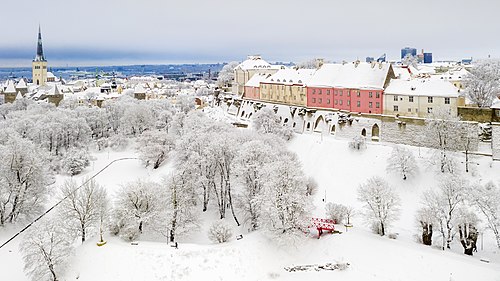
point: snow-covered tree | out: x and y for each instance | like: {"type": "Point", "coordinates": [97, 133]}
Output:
{"type": "Point", "coordinates": [285, 209]}
{"type": "Point", "coordinates": [468, 140]}
{"type": "Point", "coordinates": [137, 119]}
{"type": "Point", "coordinates": [137, 204]}
{"type": "Point", "coordinates": [226, 75]}
{"type": "Point", "coordinates": [75, 161]}
{"type": "Point", "coordinates": [402, 162]}
{"type": "Point", "coordinates": [425, 220]}
{"type": "Point", "coordinates": [381, 203]}
{"type": "Point", "coordinates": [442, 133]}
{"type": "Point", "coordinates": [312, 186]}
{"type": "Point", "coordinates": [45, 250]}
{"type": "Point", "coordinates": [486, 198]}
{"type": "Point", "coordinates": [482, 85]}
{"type": "Point", "coordinates": [252, 156]}
{"type": "Point", "coordinates": [180, 205]}
{"type": "Point", "coordinates": [336, 212]}
{"type": "Point", "coordinates": [154, 146]}
{"type": "Point", "coordinates": [444, 202]}
{"type": "Point", "coordinates": [82, 207]}
{"type": "Point", "coordinates": [219, 232]}
{"type": "Point", "coordinates": [23, 179]}
{"type": "Point", "coordinates": [467, 230]}
{"type": "Point", "coordinates": [267, 122]}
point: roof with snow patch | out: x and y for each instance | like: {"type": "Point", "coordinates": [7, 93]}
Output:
{"type": "Point", "coordinates": [422, 87]}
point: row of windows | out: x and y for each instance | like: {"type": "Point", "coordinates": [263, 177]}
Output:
{"type": "Point", "coordinates": [429, 109]}
{"type": "Point", "coordinates": [340, 102]}
{"type": "Point", "coordinates": [341, 92]}
{"type": "Point", "coordinates": [429, 99]}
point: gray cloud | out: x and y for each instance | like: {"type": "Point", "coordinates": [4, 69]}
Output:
{"type": "Point", "coordinates": [134, 31]}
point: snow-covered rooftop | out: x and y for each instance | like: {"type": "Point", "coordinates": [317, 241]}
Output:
{"type": "Point", "coordinates": [255, 62]}
{"type": "Point", "coordinates": [10, 87]}
{"type": "Point", "coordinates": [422, 87]}
{"type": "Point", "coordinates": [21, 84]}
{"type": "Point", "coordinates": [256, 79]}
{"type": "Point", "coordinates": [496, 104]}
{"type": "Point", "coordinates": [356, 75]}
{"type": "Point", "coordinates": [290, 76]}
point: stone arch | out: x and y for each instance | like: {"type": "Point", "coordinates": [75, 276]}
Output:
{"type": "Point", "coordinates": [363, 132]}
{"type": "Point", "coordinates": [318, 125]}
{"type": "Point", "coordinates": [308, 125]}
{"type": "Point", "coordinates": [375, 132]}
{"type": "Point", "coordinates": [332, 131]}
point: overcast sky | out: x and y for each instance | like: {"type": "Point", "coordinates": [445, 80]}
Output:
{"type": "Point", "coordinates": [101, 32]}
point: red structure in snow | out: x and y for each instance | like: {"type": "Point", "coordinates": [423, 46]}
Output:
{"type": "Point", "coordinates": [323, 224]}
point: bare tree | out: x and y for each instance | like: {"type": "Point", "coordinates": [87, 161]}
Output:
{"type": "Point", "coordinates": [467, 231]}
{"type": "Point", "coordinates": [426, 220]}
{"type": "Point", "coordinates": [381, 203]}
{"type": "Point", "coordinates": [482, 85]}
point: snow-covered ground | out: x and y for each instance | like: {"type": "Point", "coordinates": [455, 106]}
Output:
{"type": "Point", "coordinates": [338, 171]}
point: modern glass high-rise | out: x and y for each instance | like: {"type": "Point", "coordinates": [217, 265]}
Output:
{"type": "Point", "coordinates": [407, 50]}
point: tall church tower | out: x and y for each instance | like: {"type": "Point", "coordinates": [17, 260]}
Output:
{"type": "Point", "coordinates": [39, 65]}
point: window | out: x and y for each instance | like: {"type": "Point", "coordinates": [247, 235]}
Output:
{"type": "Point", "coordinates": [336, 92]}
{"type": "Point", "coordinates": [314, 100]}
{"type": "Point", "coordinates": [348, 102]}
{"type": "Point", "coordinates": [429, 99]}
{"type": "Point", "coordinates": [341, 93]}
{"type": "Point", "coordinates": [319, 100]}
{"type": "Point", "coordinates": [410, 99]}
{"type": "Point", "coordinates": [409, 109]}
{"type": "Point", "coordinates": [395, 98]}
{"type": "Point", "coordinates": [358, 93]}
{"type": "Point", "coordinates": [358, 103]}
{"type": "Point", "coordinates": [340, 102]}
{"type": "Point", "coordinates": [377, 105]}
{"type": "Point", "coordinates": [327, 101]}
{"type": "Point", "coordinates": [429, 109]}
{"type": "Point", "coordinates": [377, 95]}
{"type": "Point", "coordinates": [327, 92]}
{"type": "Point", "coordinates": [396, 108]}
{"type": "Point", "coordinates": [446, 100]}
{"type": "Point", "coordinates": [416, 110]}
{"type": "Point", "coordinates": [314, 91]}
{"type": "Point", "coordinates": [336, 102]}
{"type": "Point", "coordinates": [348, 93]}
{"type": "Point", "coordinates": [370, 94]}
{"type": "Point", "coordinates": [319, 92]}
{"type": "Point", "coordinates": [370, 104]}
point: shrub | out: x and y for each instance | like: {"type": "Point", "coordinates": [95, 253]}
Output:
{"type": "Point", "coordinates": [357, 143]}
{"type": "Point", "coordinates": [219, 232]}
{"type": "Point", "coordinates": [336, 212]}
{"type": "Point", "coordinates": [75, 161]}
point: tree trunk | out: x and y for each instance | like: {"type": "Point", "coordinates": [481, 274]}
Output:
{"type": "Point", "coordinates": [426, 233]}
{"type": "Point", "coordinates": [83, 233]}
{"type": "Point", "coordinates": [231, 204]}
{"type": "Point", "coordinates": [468, 238]}
{"type": "Point", "coordinates": [140, 227]}
{"type": "Point", "coordinates": [382, 229]}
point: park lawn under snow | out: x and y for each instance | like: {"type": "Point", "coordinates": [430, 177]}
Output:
{"type": "Point", "coordinates": [338, 172]}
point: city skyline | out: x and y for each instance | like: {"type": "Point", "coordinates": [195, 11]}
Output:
{"type": "Point", "coordinates": [156, 32]}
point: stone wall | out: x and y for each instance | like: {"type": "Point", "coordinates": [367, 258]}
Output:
{"type": "Point", "coordinates": [495, 141]}
{"type": "Point", "coordinates": [392, 129]}
{"type": "Point", "coordinates": [475, 114]}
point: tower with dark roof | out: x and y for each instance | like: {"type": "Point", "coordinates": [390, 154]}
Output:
{"type": "Point", "coordinates": [39, 65]}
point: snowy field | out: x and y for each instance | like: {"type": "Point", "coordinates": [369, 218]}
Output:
{"type": "Point", "coordinates": [338, 172]}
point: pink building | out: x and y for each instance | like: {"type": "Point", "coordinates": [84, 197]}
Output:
{"type": "Point", "coordinates": [354, 87]}
{"type": "Point", "coordinates": [252, 87]}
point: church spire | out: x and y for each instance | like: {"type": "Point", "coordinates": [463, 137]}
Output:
{"type": "Point", "coordinates": [39, 49]}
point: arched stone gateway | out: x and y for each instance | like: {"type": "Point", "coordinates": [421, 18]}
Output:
{"type": "Point", "coordinates": [363, 132]}
{"type": "Point", "coordinates": [319, 124]}
{"type": "Point", "coordinates": [375, 132]}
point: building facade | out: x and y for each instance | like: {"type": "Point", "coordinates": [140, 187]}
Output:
{"type": "Point", "coordinates": [247, 69]}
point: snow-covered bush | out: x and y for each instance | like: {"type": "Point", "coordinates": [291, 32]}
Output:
{"type": "Point", "coordinates": [357, 143]}
{"type": "Point", "coordinates": [219, 232]}
{"type": "Point", "coordinates": [336, 212]}
{"type": "Point", "coordinates": [75, 161]}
